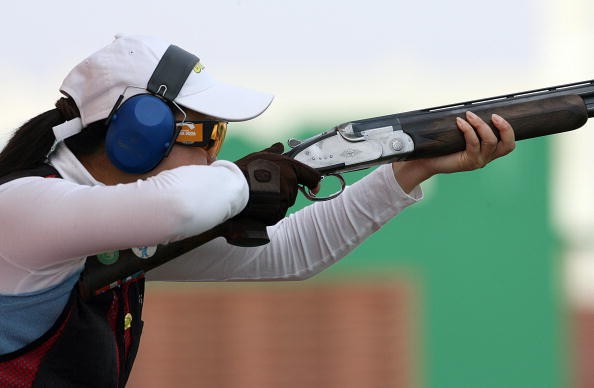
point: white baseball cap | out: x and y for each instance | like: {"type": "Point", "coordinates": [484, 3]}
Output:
{"type": "Point", "coordinates": [127, 65]}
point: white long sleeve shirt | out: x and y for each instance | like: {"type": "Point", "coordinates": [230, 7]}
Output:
{"type": "Point", "coordinates": [50, 225]}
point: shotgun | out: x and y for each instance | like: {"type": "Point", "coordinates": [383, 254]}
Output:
{"type": "Point", "coordinates": [365, 143]}
{"type": "Point", "coordinates": [432, 132]}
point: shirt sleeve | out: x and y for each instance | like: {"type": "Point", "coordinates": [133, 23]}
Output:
{"type": "Point", "coordinates": [49, 223]}
{"type": "Point", "coordinates": [302, 244]}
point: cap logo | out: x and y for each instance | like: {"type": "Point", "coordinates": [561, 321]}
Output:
{"type": "Point", "coordinates": [198, 68]}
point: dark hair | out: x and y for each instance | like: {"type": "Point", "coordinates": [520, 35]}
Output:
{"type": "Point", "coordinates": [30, 144]}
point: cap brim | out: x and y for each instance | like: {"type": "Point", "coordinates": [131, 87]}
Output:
{"type": "Point", "coordinates": [227, 102]}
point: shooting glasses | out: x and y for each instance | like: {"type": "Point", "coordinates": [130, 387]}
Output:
{"type": "Point", "coordinates": [207, 134]}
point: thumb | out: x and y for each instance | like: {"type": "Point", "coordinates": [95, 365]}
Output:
{"type": "Point", "coordinates": [276, 148]}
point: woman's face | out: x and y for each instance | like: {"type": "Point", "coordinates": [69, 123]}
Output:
{"type": "Point", "coordinates": [181, 155]}
{"type": "Point", "coordinates": [104, 171]}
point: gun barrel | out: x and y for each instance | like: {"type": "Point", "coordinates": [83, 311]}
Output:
{"type": "Point", "coordinates": [532, 113]}
{"type": "Point", "coordinates": [584, 89]}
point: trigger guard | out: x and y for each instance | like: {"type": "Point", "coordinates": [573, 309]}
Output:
{"type": "Point", "coordinates": [312, 197]}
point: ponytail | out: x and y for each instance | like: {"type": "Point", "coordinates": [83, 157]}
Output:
{"type": "Point", "coordinates": [32, 142]}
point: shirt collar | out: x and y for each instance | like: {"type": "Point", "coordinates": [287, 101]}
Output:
{"type": "Point", "coordinates": [70, 168]}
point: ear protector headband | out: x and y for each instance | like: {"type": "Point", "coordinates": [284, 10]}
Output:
{"type": "Point", "coordinates": [142, 130]}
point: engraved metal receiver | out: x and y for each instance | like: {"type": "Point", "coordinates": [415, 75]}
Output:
{"type": "Point", "coordinates": [345, 148]}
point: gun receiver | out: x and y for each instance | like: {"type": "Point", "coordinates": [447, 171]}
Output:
{"type": "Point", "coordinates": [433, 131]}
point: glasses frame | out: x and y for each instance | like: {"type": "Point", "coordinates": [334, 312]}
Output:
{"type": "Point", "coordinates": [213, 134]}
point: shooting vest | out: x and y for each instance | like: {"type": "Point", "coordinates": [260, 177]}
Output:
{"type": "Point", "coordinates": [92, 344]}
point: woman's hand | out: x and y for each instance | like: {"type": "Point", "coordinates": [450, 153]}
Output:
{"type": "Point", "coordinates": [482, 147]}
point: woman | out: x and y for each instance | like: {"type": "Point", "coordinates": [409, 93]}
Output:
{"type": "Point", "coordinates": [128, 159]}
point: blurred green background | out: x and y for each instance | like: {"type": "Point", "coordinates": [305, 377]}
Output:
{"type": "Point", "coordinates": [481, 251]}
{"type": "Point", "coordinates": [487, 251]}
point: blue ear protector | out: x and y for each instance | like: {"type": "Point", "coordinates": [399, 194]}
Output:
{"type": "Point", "coordinates": [141, 131]}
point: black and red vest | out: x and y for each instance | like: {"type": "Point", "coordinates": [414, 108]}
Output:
{"type": "Point", "coordinates": [92, 344]}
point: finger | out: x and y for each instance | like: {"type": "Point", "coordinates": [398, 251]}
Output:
{"type": "Point", "coordinates": [306, 175]}
{"type": "Point", "coordinates": [506, 132]}
{"type": "Point", "coordinates": [472, 141]}
{"type": "Point", "coordinates": [315, 190]}
{"type": "Point", "coordinates": [488, 139]}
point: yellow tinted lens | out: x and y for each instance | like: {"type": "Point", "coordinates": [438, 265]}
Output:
{"type": "Point", "coordinates": [217, 136]}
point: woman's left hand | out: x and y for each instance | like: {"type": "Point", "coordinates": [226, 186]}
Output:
{"type": "Point", "coordinates": [482, 147]}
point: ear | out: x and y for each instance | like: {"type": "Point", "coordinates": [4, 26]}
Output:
{"type": "Point", "coordinates": [140, 133]}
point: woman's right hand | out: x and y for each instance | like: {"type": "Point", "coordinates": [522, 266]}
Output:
{"type": "Point", "coordinates": [273, 179]}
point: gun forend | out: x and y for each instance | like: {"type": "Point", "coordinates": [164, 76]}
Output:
{"type": "Point", "coordinates": [435, 135]}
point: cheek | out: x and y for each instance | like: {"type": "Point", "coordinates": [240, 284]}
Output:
{"type": "Point", "coordinates": [183, 156]}
{"type": "Point", "coordinates": [192, 155]}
